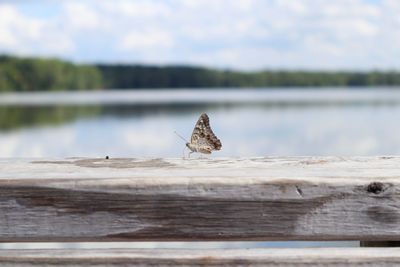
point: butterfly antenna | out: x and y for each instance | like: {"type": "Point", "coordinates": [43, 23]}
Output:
{"type": "Point", "coordinates": [181, 137]}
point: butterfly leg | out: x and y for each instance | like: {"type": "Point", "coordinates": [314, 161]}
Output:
{"type": "Point", "coordinates": [183, 152]}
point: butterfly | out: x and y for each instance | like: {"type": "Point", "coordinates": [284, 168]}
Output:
{"type": "Point", "coordinates": [203, 139]}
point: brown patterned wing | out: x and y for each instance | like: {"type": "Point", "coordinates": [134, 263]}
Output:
{"type": "Point", "coordinates": [203, 136]}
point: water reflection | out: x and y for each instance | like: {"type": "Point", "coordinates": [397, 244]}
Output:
{"type": "Point", "coordinates": [245, 130]}
{"type": "Point", "coordinates": [14, 117]}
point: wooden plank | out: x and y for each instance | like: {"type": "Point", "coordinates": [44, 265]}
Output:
{"type": "Point", "coordinates": [238, 257]}
{"type": "Point", "coordinates": [292, 198]}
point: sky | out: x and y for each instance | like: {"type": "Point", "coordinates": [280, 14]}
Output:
{"type": "Point", "coordinates": [234, 34]}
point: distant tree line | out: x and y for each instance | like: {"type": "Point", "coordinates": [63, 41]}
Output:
{"type": "Point", "coordinates": [128, 76]}
{"type": "Point", "coordinates": [32, 74]}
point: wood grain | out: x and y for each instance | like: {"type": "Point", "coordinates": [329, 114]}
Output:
{"type": "Point", "coordinates": [291, 198]}
{"type": "Point", "coordinates": [253, 257]}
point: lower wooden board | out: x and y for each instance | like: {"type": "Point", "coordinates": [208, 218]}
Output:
{"type": "Point", "coordinates": [249, 257]}
{"type": "Point", "coordinates": [271, 198]}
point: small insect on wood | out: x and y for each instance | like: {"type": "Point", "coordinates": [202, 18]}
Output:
{"type": "Point", "coordinates": [203, 139]}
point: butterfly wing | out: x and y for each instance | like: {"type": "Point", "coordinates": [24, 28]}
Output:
{"type": "Point", "coordinates": [203, 137]}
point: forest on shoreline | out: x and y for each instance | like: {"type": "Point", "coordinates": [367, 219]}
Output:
{"type": "Point", "coordinates": [37, 74]}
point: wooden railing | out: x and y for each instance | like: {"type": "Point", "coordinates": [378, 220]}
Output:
{"type": "Point", "coordinates": [263, 199]}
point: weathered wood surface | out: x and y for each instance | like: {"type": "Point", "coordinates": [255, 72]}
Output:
{"type": "Point", "coordinates": [253, 257]}
{"type": "Point", "coordinates": [292, 198]}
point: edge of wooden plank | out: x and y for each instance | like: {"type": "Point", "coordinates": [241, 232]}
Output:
{"type": "Point", "coordinates": [231, 257]}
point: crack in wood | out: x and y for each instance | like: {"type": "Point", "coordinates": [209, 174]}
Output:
{"type": "Point", "coordinates": [299, 191]}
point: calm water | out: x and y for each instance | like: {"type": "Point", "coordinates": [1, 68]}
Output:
{"type": "Point", "coordinates": [248, 122]}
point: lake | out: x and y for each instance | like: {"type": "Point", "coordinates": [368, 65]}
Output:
{"type": "Point", "coordinates": [249, 122]}
{"type": "Point", "coordinates": [335, 121]}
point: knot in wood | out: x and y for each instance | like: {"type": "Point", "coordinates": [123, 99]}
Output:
{"type": "Point", "coordinates": [375, 187]}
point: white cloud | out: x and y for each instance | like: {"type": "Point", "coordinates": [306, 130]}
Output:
{"type": "Point", "coordinates": [147, 40]}
{"type": "Point", "coordinates": [29, 36]}
{"type": "Point", "coordinates": [6, 16]}
{"type": "Point", "coordinates": [249, 34]}
{"type": "Point", "coordinates": [137, 8]}
{"type": "Point", "coordinates": [81, 16]}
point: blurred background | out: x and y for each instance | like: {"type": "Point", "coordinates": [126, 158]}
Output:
{"type": "Point", "coordinates": [277, 77]}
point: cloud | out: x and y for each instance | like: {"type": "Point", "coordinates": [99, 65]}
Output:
{"type": "Point", "coordinates": [81, 16]}
{"type": "Point", "coordinates": [27, 35]}
{"type": "Point", "coordinates": [243, 34]}
{"type": "Point", "coordinates": [137, 8]}
{"type": "Point", "coordinates": [146, 40]}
